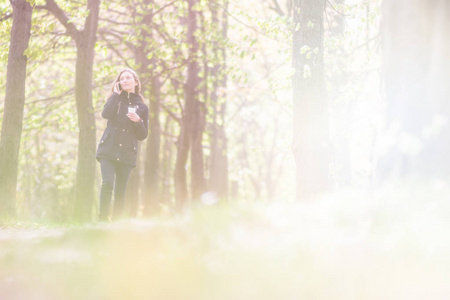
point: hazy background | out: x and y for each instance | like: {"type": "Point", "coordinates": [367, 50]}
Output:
{"type": "Point", "coordinates": [378, 231]}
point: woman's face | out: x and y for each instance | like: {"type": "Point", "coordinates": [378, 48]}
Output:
{"type": "Point", "coordinates": [127, 82]}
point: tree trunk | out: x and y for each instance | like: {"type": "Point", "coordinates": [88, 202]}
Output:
{"type": "Point", "coordinates": [194, 107]}
{"type": "Point", "coordinates": [152, 179]}
{"type": "Point", "coordinates": [218, 174]}
{"type": "Point", "coordinates": [151, 89]}
{"type": "Point", "coordinates": [152, 194]}
{"type": "Point", "coordinates": [180, 178]}
{"type": "Point", "coordinates": [187, 134]}
{"type": "Point", "coordinates": [416, 71]}
{"type": "Point", "coordinates": [310, 141]}
{"type": "Point", "coordinates": [133, 188]}
{"type": "Point", "coordinates": [167, 163]}
{"type": "Point", "coordinates": [85, 42]}
{"type": "Point", "coordinates": [85, 177]}
{"type": "Point", "coordinates": [14, 106]}
{"type": "Point", "coordinates": [197, 165]}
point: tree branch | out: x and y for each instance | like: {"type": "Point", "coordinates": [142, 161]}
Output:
{"type": "Point", "coordinates": [111, 46]}
{"type": "Point", "coordinates": [172, 68]}
{"type": "Point", "coordinates": [52, 7]}
{"type": "Point", "coordinates": [116, 22]}
{"type": "Point", "coordinates": [121, 13]}
{"type": "Point", "coordinates": [246, 25]}
{"type": "Point", "coordinates": [170, 113]}
{"type": "Point", "coordinates": [277, 8]}
{"type": "Point", "coordinates": [333, 8]}
{"type": "Point", "coordinates": [117, 35]}
{"type": "Point", "coordinates": [69, 92]}
{"type": "Point", "coordinates": [6, 17]}
{"type": "Point", "coordinates": [164, 36]}
{"type": "Point", "coordinates": [176, 85]}
{"type": "Point", "coordinates": [164, 7]}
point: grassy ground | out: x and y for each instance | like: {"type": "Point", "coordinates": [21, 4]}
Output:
{"type": "Point", "coordinates": [393, 244]}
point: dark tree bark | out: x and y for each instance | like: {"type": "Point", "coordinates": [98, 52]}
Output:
{"type": "Point", "coordinates": [416, 70]}
{"type": "Point", "coordinates": [152, 180]}
{"type": "Point", "coordinates": [310, 141]}
{"type": "Point", "coordinates": [195, 107]}
{"type": "Point", "coordinates": [180, 179]}
{"type": "Point", "coordinates": [167, 161]}
{"type": "Point", "coordinates": [218, 173]}
{"type": "Point", "coordinates": [85, 42]}
{"type": "Point", "coordinates": [197, 164]}
{"type": "Point", "coordinates": [190, 132]}
{"type": "Point", "coordinates": [132, 195]}
{"type": "Point", "coordinates": [151, 89]}
{"type": "Point", "coordinates": [14, 106]}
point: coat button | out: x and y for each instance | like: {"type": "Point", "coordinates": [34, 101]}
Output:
{"type": "Point", "coordinates": [123, 129]}
{"type": "Point", "coordinates": [120, 145]}
{"type": "Point", "coordinates": [117, 159]}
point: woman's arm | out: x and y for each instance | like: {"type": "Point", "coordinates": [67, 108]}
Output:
{"type": "Point", "coordinates": [141, 127]}
{"type": "Point", "coordinates": [110, 108]}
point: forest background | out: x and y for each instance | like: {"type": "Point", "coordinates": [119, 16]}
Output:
{"type": "Point", "coordinates": [236, 65]}
{"type": "Point", "coordinates": [297, 149]}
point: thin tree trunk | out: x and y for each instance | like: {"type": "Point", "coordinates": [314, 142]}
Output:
{"type": "Point", "coordinates": [310, 141]}
{"type": "Point", "coordinates": [197, 165]}
{"type": "Point", "coordinates": [84, 197]}
{"type": "Point", "coordinates": [151, 89]}
{"type": "Point", "coordinates": [133, 188]}
{"type": "Point", "coordinates": [152, 194]}
{"type": "Point", "coordinates": [152, 180]}
{"type": "Point", "coordinates": [195, 108]}
{"type": "Point", "coordinates": [166, 164]}
{"type": "Point", "coordinates": [180, 178]}
{"type": "Point", "coordinates": [85, 176]}
{"type": "Point", "coordinates": [271, 177]}
{"type": "Point", "coordinates": [85, 41]}
{"type": "Point", "coordinates": [14, 106]}
{"type": "Point", "coordinates": [186, 133]}
{"type": "Point", "coordinates": [152, 163]}
{"type": "Point", "coordinates": [218, 174]}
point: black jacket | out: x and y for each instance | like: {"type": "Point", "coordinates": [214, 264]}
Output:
{"type": "Point", "coordinates": [119, 141]}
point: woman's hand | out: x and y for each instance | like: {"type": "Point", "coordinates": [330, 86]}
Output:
{"type": "Point", "coordinates": [117, 89]}
{"type": "Point", "coordinates": [133, 117]}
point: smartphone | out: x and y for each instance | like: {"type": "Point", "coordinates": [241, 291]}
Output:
{"type": "Point", "coordinates": [120, 88]}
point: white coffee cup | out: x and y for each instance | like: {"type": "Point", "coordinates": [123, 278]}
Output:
{"type": "Point", "coordinates": [132, 109]}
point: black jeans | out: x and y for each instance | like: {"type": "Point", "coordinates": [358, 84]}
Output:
{"type": "Point", "coordinates": [114, 176]}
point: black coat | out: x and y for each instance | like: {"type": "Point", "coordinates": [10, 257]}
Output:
{"type": "Point", "coordinates": [120, 139]}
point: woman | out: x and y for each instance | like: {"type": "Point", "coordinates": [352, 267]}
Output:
{"type": "Point", "coordinates": [127, 117]}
